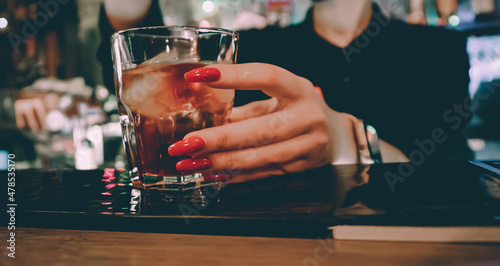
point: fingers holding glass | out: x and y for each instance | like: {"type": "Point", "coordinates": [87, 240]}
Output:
{"type": "Point", "coordinates": [272, 80]}
{"type": "Point", "coordinates": [287, 133]}
{"type": "Point", "coordinates": [253, 132]}
{"type": "Point", "coordinates": [254, 109]}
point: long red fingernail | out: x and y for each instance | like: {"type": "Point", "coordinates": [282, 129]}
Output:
{"type": "Point", "coordinates": [206, 74]}
{"type": "Point", "coordinates": [216, 177]}
{"type": "Point", "coordinates": [186, 146]}
{"type": "Point", "coordinates": [189, 165]}
{"type": "Point", "coordinates": [318, 89]}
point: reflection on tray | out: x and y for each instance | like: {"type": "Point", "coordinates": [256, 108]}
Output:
{"type": "Point", "coordinates": [356, 193]}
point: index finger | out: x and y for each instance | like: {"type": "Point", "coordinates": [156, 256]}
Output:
{"type": "Point", "coordinates": [272, 80]}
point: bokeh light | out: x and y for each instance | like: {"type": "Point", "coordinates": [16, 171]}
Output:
{"type": "Point", "coordinates": [3, 23]}
{"type": "Point", "coordinates": [453, 20]}
{"type": "Point", "coordinates": [208, 6]}
{"type": "Point", "coordinates": [204, 23]}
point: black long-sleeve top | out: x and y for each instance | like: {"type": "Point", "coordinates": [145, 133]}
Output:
{"type": "Point", "coordinates": [409, 81]}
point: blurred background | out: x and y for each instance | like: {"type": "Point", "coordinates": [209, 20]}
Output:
{"type": "Point", "coordinates": [48, 53]}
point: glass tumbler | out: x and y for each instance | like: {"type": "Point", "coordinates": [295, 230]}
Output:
{"type": "Point", "coordinates": [157, 107]}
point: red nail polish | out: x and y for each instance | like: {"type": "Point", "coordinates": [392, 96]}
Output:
{"type": "Point", "coordinates": [318, 89]}
{"type": "Point", "coordinates": [216, 177]}
{"type": "Point", "coordinates": [186, 146]}
{"type": "Point", "coordinates": [206, 74]}
{"type": "Point", "coordinates": [189, 165]}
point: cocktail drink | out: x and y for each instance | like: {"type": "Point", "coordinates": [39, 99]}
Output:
{"type": "Point", "coordinates": [168, 109]}
{"type": "Point", "coordinates": [157, 106]}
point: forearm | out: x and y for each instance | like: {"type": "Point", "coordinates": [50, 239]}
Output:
{"type": "Point", "coordinates": [391, 154]}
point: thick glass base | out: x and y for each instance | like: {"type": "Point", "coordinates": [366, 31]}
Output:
{"type": "Point", "coordinates": [174, 183]}
{"type": "Point", "coordinates": [178, 194]}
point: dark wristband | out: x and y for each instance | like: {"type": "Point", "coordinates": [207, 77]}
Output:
{"type": "Point", "coordinates": [373, 143]}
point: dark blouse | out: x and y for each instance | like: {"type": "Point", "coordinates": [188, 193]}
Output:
{"type": "Point", "coordinates": [410, 82]}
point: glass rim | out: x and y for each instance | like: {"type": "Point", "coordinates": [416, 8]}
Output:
{"type": "Point", "coordinates": [176, 27]}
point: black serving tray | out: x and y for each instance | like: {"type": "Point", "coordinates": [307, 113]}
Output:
{"type": "Point", "coordinates": [297, 205]}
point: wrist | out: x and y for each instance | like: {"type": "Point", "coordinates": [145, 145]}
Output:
{"type": "Point", "coordinates": [350, 144]}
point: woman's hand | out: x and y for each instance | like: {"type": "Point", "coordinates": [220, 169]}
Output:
{"type": "Point", "coordinates": [293, 131]}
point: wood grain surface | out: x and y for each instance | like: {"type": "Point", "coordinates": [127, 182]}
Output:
{"type": "Point", "coordinates": [79, 247]}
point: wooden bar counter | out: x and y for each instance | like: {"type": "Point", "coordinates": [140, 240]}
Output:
{"type": "Point", "coordinates": [81, 247]}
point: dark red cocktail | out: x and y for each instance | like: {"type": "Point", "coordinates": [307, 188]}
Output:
{"type": "Point", "coordinates": [164, 108]}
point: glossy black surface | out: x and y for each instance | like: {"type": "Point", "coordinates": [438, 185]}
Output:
{"type": "Point", "coordinates": [297, 205]}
